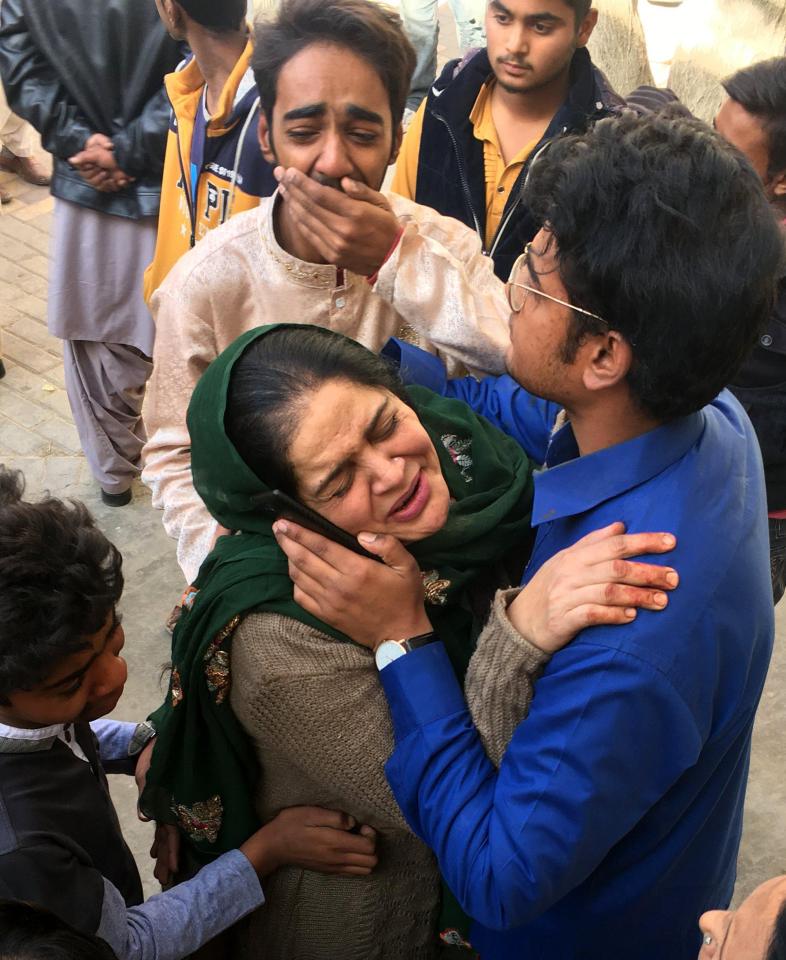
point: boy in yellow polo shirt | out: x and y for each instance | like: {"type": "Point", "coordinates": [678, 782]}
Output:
{"type": "Point", "coordinates": [213, 167]}
{"type": "Point", "coordinates": [470, 143]}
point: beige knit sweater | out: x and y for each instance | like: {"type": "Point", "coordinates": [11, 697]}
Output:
{"type": "Point", "coordinates": [318, 718]}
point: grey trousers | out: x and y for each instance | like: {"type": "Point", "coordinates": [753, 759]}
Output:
{"type": "Point", "coordinates": [105, 383]}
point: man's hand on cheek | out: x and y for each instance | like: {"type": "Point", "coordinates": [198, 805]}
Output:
{"type": "Point", "coordinates": [368, 601]}
{"type": "Point", "coordinates": [354, 229]}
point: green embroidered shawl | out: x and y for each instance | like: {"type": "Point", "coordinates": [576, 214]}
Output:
{"type": "Point", "coordinates": [204, 771]}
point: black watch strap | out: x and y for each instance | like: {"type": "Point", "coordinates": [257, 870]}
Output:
{"type": "Point", "coordinates": [415, 643]}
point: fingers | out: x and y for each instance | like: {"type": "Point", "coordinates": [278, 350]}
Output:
{"type": "Point", "coordinates": [637, 574]}
{"type": "Point", "coordinates": [391, 550]}
{"type": "Point", "coordinates": [301, 187]}
{"type": "Point", "coordinates": [309, 551]}
{"type": "Point", "coordinates": [362, 191]}
{"type": "Point", "coordinates": [597, 536]}
{"type": "Point", "coordinates": [317, 225]}
{"type": "Point", "coordinates": [594, 615]}
{"type": "Point", "coordinates": [638, 544]}
{"type": "Point", "coordinates": [620, 595]}
{"type": "Point", "coordinates": [320, 817]}
{"type": "Point", "coordinates": [172, 848]}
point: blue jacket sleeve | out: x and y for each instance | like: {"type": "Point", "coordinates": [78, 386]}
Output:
{"type": "Point", "coordinates": [511, 843]}
{"type": "Point", "coordinates": [519, 414]}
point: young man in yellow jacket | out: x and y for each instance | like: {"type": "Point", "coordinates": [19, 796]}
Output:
{"type": "Point", "coordinates": [213, 166]}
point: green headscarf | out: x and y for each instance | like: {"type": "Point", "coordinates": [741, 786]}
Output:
{"type": "Point", "coordinates": [204, 771]}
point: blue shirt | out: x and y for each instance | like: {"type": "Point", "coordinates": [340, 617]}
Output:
{"type": "Point", "coordinates": [614, 820]}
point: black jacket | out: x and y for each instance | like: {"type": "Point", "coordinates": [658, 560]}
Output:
{"type": "Point", "coordinates": [73, 68]}
{"type": "Point", "coordinates": [451, 176]}
{"type": "Point", "coordinates": [760, 386]}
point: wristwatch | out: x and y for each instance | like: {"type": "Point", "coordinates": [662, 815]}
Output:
{"type": "Point", "coordinates": [390, 650]}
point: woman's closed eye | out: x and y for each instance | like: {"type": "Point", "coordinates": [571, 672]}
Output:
{"type": "Point", "coordinates": [387, 429]}
{"type": "Point", "coordinates": [384, 432]}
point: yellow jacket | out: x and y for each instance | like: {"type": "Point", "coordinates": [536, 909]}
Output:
{"type": "Point", "coordinates": [231, 175]}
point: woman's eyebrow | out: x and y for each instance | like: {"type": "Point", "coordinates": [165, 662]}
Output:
{"type": "Point", "coordinates": [367, 434]}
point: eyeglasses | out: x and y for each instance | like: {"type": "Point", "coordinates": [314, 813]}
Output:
{"type": "Point", "coordinates": [516, 300]}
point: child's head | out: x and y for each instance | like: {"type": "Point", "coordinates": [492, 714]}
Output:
{"type": "Point", "coordinates": [28, 932]}
{"type": "Point", "coordinates": [60, 639]}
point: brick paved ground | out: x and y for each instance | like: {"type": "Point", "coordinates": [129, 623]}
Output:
{"type": "Point", "coordinates": [37, 435]}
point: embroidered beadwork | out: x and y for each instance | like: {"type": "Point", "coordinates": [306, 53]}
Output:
{"type": "Point", "coordinates": [176, 688]}
{"type": "Point", "coordinates": [202, 821]}
{"type": "Point", "coordinates": [435, 589]}
{"type": "Point", "coordinates": [217, 663]}
{"type": "Point", "coordinates": [459, 454]}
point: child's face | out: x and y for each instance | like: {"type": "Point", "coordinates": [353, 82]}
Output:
{"type": "Point", "coordinates": [83, 686]}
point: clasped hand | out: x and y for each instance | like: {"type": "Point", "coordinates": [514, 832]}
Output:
{"type": "Point", "coordinates": [98, 166]}
{"type": "Point", "coordinates": [354, 229]}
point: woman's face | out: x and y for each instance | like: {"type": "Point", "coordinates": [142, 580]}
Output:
{"type": "Point", "coordinates": [362, 460]}
{"type": "Point", "coordinates": [744, 933]}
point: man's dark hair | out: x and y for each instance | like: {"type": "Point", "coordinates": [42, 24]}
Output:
{"type": "Point", "coordinates": [367, 29]}
{"type": "Point", "coordinates": [664, 230]}
{"type": "Point", "coordinates": [777, 948]}
{"type": "Point", "coordinates": [220, 16]}
{"type": "Point", "coordinates": [272, 380]}
{"type": "Point", "coordinates": [580, 8]}
{"type": "Point", "coordinates": [60, 578]}
{"type": "Point", "coordinates": [28, 932]}
{"type": "Point", "coordinates": [761, 90]}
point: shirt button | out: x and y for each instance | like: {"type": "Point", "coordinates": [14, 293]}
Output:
{"type": "Point", "coordinates": [766, 340]}
{"type": "Point", "coordinates": [340, 301]}
{"type": "Point", "coordinates": [500, 189]}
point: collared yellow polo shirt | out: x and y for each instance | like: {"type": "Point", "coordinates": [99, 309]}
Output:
{"type": "Point", "coordinates": [500, 177]}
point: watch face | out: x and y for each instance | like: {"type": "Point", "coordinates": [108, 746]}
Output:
{"type": "Point", "coordinates": [387, 652]}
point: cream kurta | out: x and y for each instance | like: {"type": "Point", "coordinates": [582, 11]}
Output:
{"type": "Point", "coordinates": [437, 282]}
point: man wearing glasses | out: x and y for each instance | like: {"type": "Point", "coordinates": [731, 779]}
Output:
{"type": "Point", "coordinates": [613, 820]}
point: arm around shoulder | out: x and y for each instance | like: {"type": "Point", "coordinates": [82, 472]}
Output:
{"type": "Point", "coordinates": [501, 677]}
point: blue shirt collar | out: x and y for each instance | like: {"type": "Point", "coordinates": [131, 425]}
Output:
{"type": "Point", "coordinates": [572, 484]}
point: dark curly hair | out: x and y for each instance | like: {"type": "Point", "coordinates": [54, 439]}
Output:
{"type": "Point", "coordinates": [28, 932]}
{"type": "Point", "coordinates": [664, 230]}
{"type": "Point", "coordinates": [369, 30]}
{"type": "Point", "coordinates": [60, 578]}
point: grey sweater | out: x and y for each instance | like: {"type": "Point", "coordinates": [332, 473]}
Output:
{"type": "Point", "coordinates": [318, 718]}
